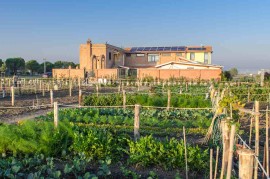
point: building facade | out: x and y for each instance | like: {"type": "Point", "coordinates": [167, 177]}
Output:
{"type": "Point", "coordinates": [105, 60]}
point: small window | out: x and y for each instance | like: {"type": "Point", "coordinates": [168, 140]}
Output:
{"type": "Point", "coordinates": [192, 56]}
{"type": "Point", "coordinates": [166, 54]}
{"type": "Point", "coordinates": [140, 54]}
{"type": "Point", "coordinates": [128, 55]}
{"type": "Point", "coordinates": [153, 57]}
{"type": "Point", "coordinates": [206, 58]}
{"type": "Point", "coordinates": [179, 54]}
{"type": "Point", "coordinates": [110, 55]}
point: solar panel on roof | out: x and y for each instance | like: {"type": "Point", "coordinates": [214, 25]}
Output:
{"type": "Point", "coordinates": [140, 48]}
{"type": "Point", "coordinates": [153, 49]}
{"type": "Point", "coordinates": [181, 48]}
{"type": "Point", "coordinates": [174, 48]}
{"type": "Point", "coordinates": [167, 48]}
{"type": "Point", "coordinates": [133, 49]}
{"type": "Point", "coordinates": [146, 49]}
{"type": "Point", "coordinates": [160, 48]}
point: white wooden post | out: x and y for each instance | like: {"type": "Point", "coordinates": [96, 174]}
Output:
{"type": "Point", "coordinates": [55, 114]}
{"type": "Point", "coordinates": [51, 96]}
{"type": "Point", "coordinates": [229, 169]}
{"type": "Point", "coordinates": [124, 99]}
{"type": "Point", "coordinates": [246, 161]}
{"type": "Point", "coordinates": [80, 97]}
{"type": "Point", "coordinates": [137, 122]}
{"type": "Point", "coordinates": [169, 99]}
{"type": "Point", "coordinates": [257, 137]}
{"type": "Point", "coordinates": [12, 96]}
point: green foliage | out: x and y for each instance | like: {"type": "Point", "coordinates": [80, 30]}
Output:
{"type": "Point", "coordinates": [34, 137]}
{"type": "Point", "coordinates": [14, 64]}
{"type": "Point", "coordinates": [177, 100]}
{"type": "Point", "coordinates": [168, 154]}
{"type": "Point", "coordinates": [99, 144]}
{"type": "Point", "coordinates": [32, 65]}
{"type": "Point", "coordinates": [64, 64]}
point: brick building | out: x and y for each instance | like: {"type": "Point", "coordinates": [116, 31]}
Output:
{"type": "Point", "coordinates": [108, 61]}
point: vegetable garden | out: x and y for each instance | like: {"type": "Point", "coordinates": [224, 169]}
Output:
{"type": "Point", "coordinates": [177, 127]}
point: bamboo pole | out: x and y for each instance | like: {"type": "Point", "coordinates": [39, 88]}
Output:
{"type": "Point", "coordinates": [248, 95]}
{"type": "Point", "coordinates": [246, 161]}
{"type": "Point", "coordinates": [250, 130]}
{"type": "Point", "coordinates": [230, 161]}
{"type": "Point", "coordinates": [184, 134]}
{"type": "Point", "coordinates": [55, 114]}
{"type": "Point", "coordinates": [137, 122]}
{"type": "Point", "coordinates": [124, 99]}
{"type": "Point", "coordinates": [257, 138]}
{"type": "Point", "coordinates": [216, 166]}
{"type": "Point", "coordinates": [264, 158]}
{"type": "Point", "coordinates": [43, 90]}
{"type": "Point", "coordinates": [211, 163]}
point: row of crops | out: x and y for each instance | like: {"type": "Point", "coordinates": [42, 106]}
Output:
{"type": "Point", "coordinates": [161, 100]}
{"type": "Point", "coordinates": [98, 143]}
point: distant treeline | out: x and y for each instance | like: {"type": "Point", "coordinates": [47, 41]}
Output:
{"type": "Point", "coordinates": [19, 65]}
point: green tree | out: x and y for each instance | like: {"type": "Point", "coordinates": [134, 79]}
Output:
{"type": "Point", "coordinates": [15, 64]}
{"type": "Point", "coordinates": [3, 68]}
{"type": "Point", "coordinates": [233, 72]}
{"type": "Point", "coordinates": [49, 67]}
{"type": "Point", "coordinates": [226, 76]}
{"type": "Point", "coordinates": [32, 65]}
{"type": "Point", "coordinates": [1, 62]}
{"type": "Point", "coordinates": [64, 64]}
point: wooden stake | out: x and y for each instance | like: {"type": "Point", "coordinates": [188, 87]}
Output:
{"type": "Point", "coordinates": [80, 97]}
{"type": "Point", "coordinates": [184, 134]}
{"type": "Point", "coordinates": [229, 169]}
{"type": "Point", "coordinates": [216, 166]}
{"type": "Point", "coordinates": [124, 99]}
{"type": "Point", "coordinates": [43, 90]}
{"type": "Point", "coordinates": [246, 161]}
{"type": "Point", "coordinates": [51, 96]}
{"type": "Point", "coordinates": [257, 138]}
{"type": "Point", "coordinates": [226, 144]}
{"type": "Point", "coordinates": [248, 95]}
{"type": "Point", "coordinates": [267, 140]}
{"type": "Point", "coordinates": [231, 110]}
{"type": "Point", "coordinates": [70, 87]}
{"type": "Point", "coordinates": [137, 122]}
{"type": "Point", "coordinates": [211, 163]}
{"type": "Point", "coordinates": [169, 99]}
{"type": "Point", "coordinates": [55, 114]}
{"type": "Point", "coordinates": [250, 130]}
{"type": "Point", "coordinates": [264, 158]}
{"type": "Point", "coordinates": [12, 96]}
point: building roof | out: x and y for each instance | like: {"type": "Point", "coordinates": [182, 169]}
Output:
{"type": "Point", "coordinates": [168, 49]}
{"type": "Point", "coordinates": [184, 61]}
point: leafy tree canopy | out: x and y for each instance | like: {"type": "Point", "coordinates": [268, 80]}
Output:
{"type": "Point", "coordinates": [32, 65]}
{"type": "Point", "coordinates": [49, 67]}
{"type": "Point", "coordinates": [15, 64]}
{"type": "Point", "coordinates": [64, 64]}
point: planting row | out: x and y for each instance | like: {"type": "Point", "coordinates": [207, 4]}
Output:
{"type": "Point", "coordinates": [177, 100]}
{"type": "Point", "coordinates": [29, 140]}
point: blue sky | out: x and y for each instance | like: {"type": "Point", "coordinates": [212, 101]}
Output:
{"type": "Point", "coordinates": [239, 31]}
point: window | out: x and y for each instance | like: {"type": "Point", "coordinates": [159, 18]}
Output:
{"type": "Point", "coordinates": [153, 57]}
{"type": "Point", "coordinates": [192, 56]}
{"type": "Point", "coordinates": [166, 54]}
{"type": "Point", "coordinates": [140, 54]}
{"type": "Point", "coordinates": [179, 54]}
{"type": "Point", "coordinates": [206, 58]}
{"type": "Point", "coordinates": [128, 55]}
{"type": "Point", "coordinates": [110, 55]}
